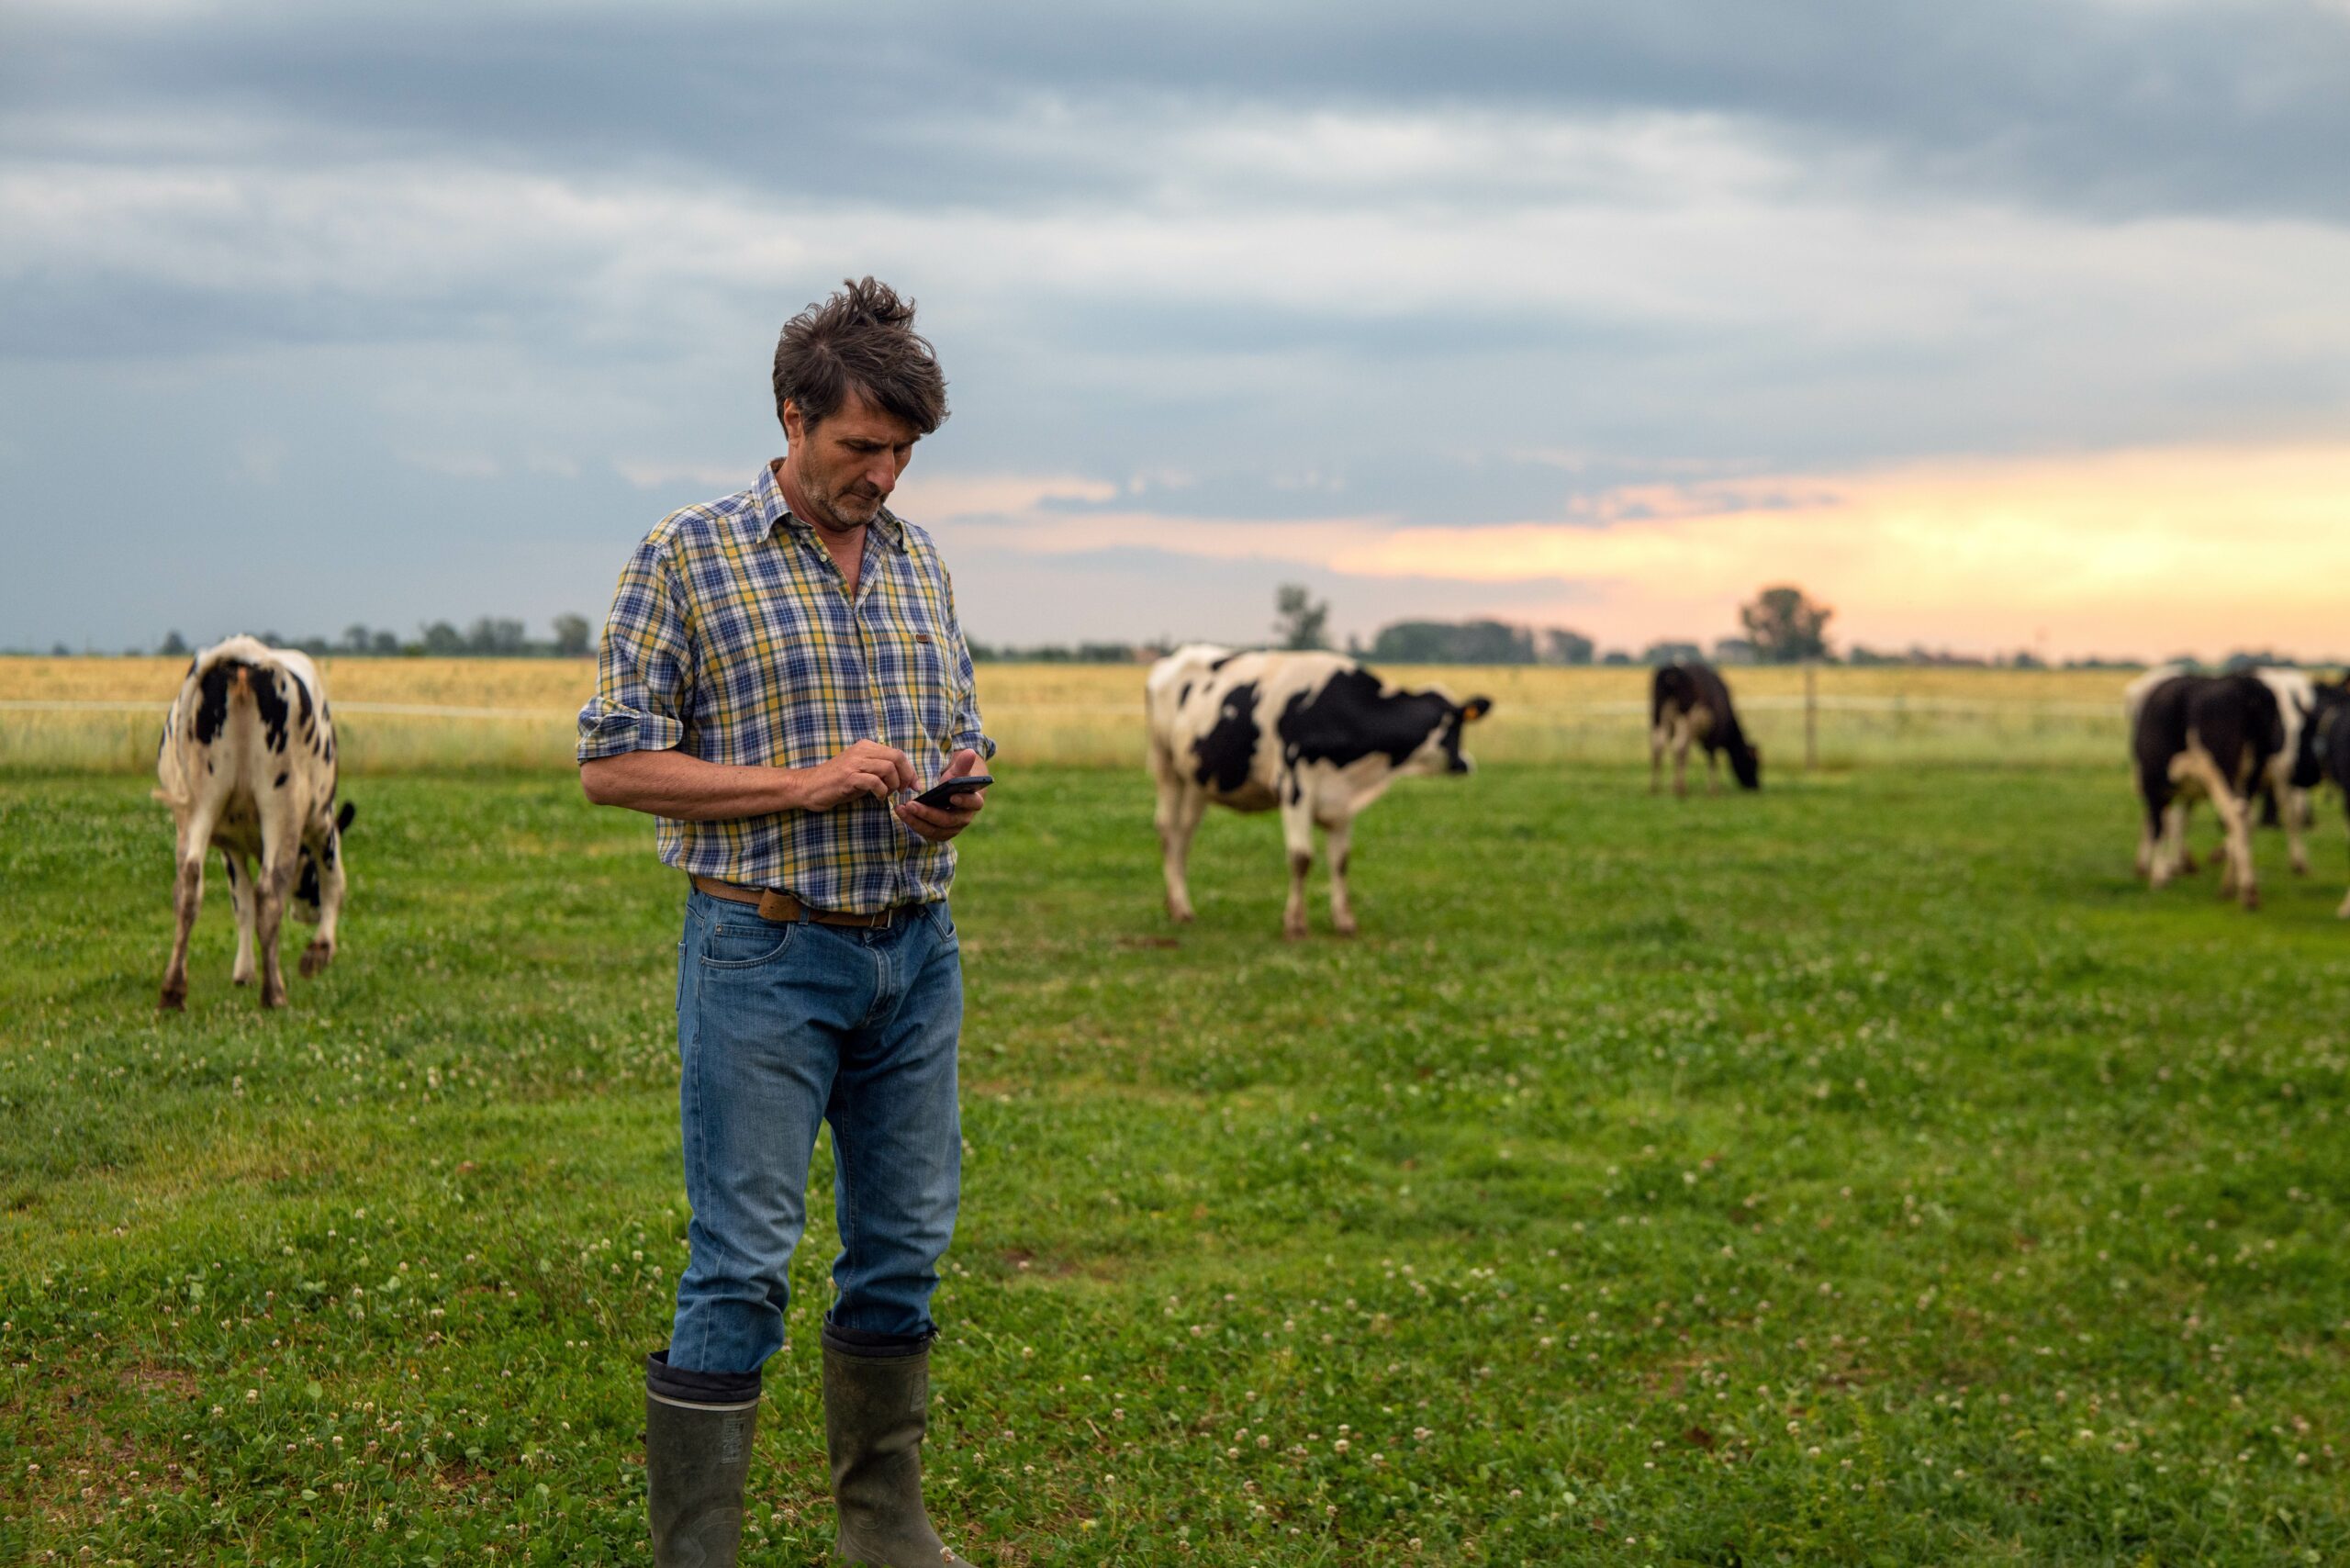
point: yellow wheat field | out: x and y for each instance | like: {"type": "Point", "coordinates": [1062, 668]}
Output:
{"type": "Point", "coordinates": [403, 715]}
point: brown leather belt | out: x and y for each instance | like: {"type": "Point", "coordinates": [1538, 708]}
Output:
{"type": "Point", "coordinates": [774, 905]}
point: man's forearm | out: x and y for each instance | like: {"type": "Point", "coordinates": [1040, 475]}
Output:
{"type": "Point", "coordinates": [686, 788]}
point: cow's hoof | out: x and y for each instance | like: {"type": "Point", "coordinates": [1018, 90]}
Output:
{"type": "Point", "coordinates": [1179, 916]}
{"type": "Point", "coordinates": [315, 956]}
{"type": "Point", "coordinates": [273, 996]}
{"type": "Point", "coordinates": [173, 1000]}
{"type": "Point", "coordinates": [245, 978]}
{"type": "Point", "coordinates": [1294, 933]}
{"type": "Point", "coordinates": [2251, 900]}
{"type": "Point", "coordinates": [1345, 930]}
{"type": "Point", "coordinates": [2343, 912]}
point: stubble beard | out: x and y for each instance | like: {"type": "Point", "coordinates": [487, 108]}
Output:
{"type": "Point", "coordinates": [831, 509]}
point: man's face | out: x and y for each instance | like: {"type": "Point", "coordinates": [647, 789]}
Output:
{"type": "Point", "coordinates": [849, 463]}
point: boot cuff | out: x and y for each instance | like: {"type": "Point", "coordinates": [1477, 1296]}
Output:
{"type": "Point", "coordinates": [680, 1386]}
{"type": "Point", "coordinates": [864, 1342]}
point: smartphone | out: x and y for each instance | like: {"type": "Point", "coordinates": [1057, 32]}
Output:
{"type": "Point", "coordinates": [941, 796]}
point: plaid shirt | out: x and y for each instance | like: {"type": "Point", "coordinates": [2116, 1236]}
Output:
{"type": "Point", "coordinates": [733, 639]}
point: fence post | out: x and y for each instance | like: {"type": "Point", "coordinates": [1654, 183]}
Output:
{"type": "Point", "coordinates": [1810, 715]}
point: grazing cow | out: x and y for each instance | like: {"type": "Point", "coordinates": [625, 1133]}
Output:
{"type": "Point", "coordinates": [1313, 735]}
{"type": "Point", "coordinates": [2284, 792]}
{"type": "Point", "coordinates": [247, 761]}
{"type": "Point", "coordinates": [1688, 701]}
{"type": "Point", "coordinates": [2214, 736]}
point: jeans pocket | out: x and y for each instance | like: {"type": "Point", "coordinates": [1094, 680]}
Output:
{"type": "Point", "coordinates": [942, 920]}
{"type": "Point", "coordinates": [746, 943]}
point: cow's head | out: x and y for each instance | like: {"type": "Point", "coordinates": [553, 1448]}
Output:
{"type": "Point", "coordinates": [1441, 753]}
{"type": "Point", "coordinates": [308, 873]}
{"type": "Point", "coordinates": [1746, 765]}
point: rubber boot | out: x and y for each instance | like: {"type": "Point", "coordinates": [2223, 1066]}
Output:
{"type": "Point", "coordinates": [876, 1408]}
{"type": "Point", "coordinates": [698, 1430]}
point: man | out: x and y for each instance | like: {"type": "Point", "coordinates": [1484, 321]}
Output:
{"type": "Point", "coordinates": [777, 666]}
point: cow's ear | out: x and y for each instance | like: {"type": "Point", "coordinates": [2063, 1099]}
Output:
{"type": "Point", "coordinates": [343, 818]}
{"type": "Point", "coordinates": [1476, 708]}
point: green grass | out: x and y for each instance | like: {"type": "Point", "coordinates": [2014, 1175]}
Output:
{"type": "Point", "coordinates": [1867, 1172]}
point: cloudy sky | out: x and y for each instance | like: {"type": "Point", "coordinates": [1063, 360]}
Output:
{"type": "Point", "coordinates": [1998, 324]}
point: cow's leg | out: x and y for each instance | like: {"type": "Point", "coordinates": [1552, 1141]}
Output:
{"type": "Point", "coordinates": [1713, 772]}
{"type": "Point", "coordinates": [1337, 841]}
{"type": "Point", "coordinates": [2343, 912]}
{"type": "Point", "coordinates": [1297, 834]}
{"type": "Point", "coordinates": [1660, 736]}
{"type": "Point", "coordinates": [2236, 819]}
{"type": "Point", "coordinates": [1684, 732]}
{"type": "Point", "coordinates": [2295, 809]}
{"type": "Point", "coordinates": [240, 899]}
{"type": "Point", "coordinates": [187, 897]}
{"type": "Point", "coordinates": [1180, 806]}
{"type": "Point", "coordinates": [2177, 858]}
{"type": "Point", "coordinates": [328, 853]}
{"type": "Point", "coordinates": [280, 844]}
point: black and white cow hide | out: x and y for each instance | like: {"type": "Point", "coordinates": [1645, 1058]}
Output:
{"type": "Point", "coordinates": [1313, 735]}
{"type": "Point", "coordinates": [1689, 702]}
{"type": "Point", "coordinates": [2324, 751]}
{"type": "Point", "coordinates": [2284, 792]}
{"type": "Point", "coordinates": [2209, 736]}
{"type": "Point", "coordinates": [246, 762]}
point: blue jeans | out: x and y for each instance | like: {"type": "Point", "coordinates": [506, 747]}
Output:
{"type": "Point", "coordinates": [781, 1026]}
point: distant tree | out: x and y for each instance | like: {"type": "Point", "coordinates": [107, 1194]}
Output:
{"type": "Point", "coordinates": [384, 645]}
{"type": "Point", "coordinates": [1298, 622]}
{"type": "Point", "coordinates": [1560, 646]}
{"type": "Point", "coordinates": [355, 638]}
{"type": "Point", "coordinates": [174, 646]}
{"type": "Point", "coordinates": [492, 634]}
{"type": "Point", "coordinates": [571, 635]}
{"type": "Point", "coordinates": [1786, 626]}
{"type": "Point", "coordinates": [1733, 651]}
{"type": "Point", "coordinates": [60, 651]}
{"type": "Point", "coordinates": [2247, 658]}
{"type": "Point", "coordinates": [1669, 652]}
{"type": "Point", "coordinates": [1864, 655]}
{"type": "Point", "coordinates": [1615, 657]}
{"type": "Point", "coordinates": [2026, 659]}
{"type": "Point", "coordinates": [442, 640]}
{"type": "Point", "coordinates": [1453, 642]}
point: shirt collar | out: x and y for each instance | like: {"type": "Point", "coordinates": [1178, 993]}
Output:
{"type": "Point", "coordinates": [768, 509]}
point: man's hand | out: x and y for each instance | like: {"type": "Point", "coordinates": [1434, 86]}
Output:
{"type": "Point", "coordinates": [869, 768]}
{"type": "Point", "coordinates": [937, 825]}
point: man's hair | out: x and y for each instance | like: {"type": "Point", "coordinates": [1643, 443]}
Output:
{"type": "Point", "coordinates": [863, 338]}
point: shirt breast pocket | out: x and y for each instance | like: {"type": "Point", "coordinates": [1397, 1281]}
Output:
{"type": "Point", "coordinates": [928, 689]}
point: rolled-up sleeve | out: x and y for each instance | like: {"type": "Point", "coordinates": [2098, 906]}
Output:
{"type": "Point", "coordinates": [643, 669]}
{"type": "Point", "coordinates": [968, 731]}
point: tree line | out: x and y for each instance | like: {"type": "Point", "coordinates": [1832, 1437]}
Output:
{"type": "Point", "coordinates": [490, 636]}
{"type": "Point", "coordinates": [1781, 624]}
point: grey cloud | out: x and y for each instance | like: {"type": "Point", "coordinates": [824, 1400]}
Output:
{"type": "Point", "coordinates": [2130, 109]}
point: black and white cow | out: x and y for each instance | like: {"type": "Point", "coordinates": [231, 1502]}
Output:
{"type": "Point", "coordinates": [2212, 736]}
{"type": "Point", "coordinates": [1689, 701]}
{"type": "Point", "coordinates": [247, 761]}
{"type": "Point", "coordinates": [1313, 735]}
{"type": "Point", "coordinates": [2292, 774]}
{"type": "Point", "coordinates": [2324, 751]}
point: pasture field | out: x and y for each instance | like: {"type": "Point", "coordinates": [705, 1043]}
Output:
{"type": "Point", "coordinates": [408, 715]}
{"type": "Point", "coordinates": [1868, 1171]}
